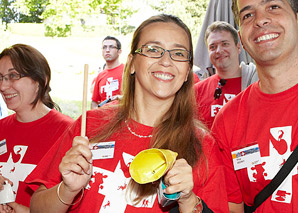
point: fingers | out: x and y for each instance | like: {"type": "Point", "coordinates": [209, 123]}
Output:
{"type": "Point", "coordinates": [5, 208]}
{"type": "Point", "coordinates": [76, 165]}
{"type": "Point", "coordinates": [2, 182]}
{"type": "Point", "coordinates": [78, 159]}
{"type": "Point", "coordinates": [179, 178]}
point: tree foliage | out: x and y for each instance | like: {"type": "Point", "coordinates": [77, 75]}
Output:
{"type": "Point", "coordinates": [191, 12]}
{"type": "Point", "coordinates": [59, 16]}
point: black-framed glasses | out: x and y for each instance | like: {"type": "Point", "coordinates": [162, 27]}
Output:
{"type": "Point", "coordinates": [218, 90]}
{"type": "Point", "coordinates": [152, 51]}
{"type": "Point", "coordinates": [12, 76]}
{"type": "Point", "coordinates": [105, 47]}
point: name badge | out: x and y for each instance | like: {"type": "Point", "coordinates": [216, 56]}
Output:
{"type": "Point", "coordinates": [3, 147]}
{"type": "Point", "coordinates": [103, 150]}
{"type": "Point", "coordinates": [246, 157]}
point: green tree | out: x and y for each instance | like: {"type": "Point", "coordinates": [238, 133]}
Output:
{"type": "Point", "coordinates": [8, 13]}
{"type": "Point", "coordinates": [191, 12]}
{"type": "Point", "coordinates": [30, 11]}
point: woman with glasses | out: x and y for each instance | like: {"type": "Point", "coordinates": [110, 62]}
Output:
{"type": "Point", "coordinates": [92, 174]}
{"type": "Point", "coordinates": [29, 133]}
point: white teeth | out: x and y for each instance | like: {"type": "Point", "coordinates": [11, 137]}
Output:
{"type": "Point", "coordinates": [163, 76]}
{"type": "Point", "coordinates": [10, 96]}
{"type": "Point", "coordinates": [266, 37]}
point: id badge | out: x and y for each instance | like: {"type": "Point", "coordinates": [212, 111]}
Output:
{"type": "Point", "coordinates": [246, 157]}
{"type": "Point", "coordinates": [103, 150]}
{"type": "Point", "coordinates": [3, 147]}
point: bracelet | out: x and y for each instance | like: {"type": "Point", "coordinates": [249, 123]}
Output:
{"type": "Point", "coordinates": [62, 201]}
{"type": "Point", "coordinates": [198, 207]}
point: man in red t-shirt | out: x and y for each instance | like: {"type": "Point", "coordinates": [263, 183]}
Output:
{"type": "Point", "coordinates": [231, 77]}
{"type": "Point", "coordinates": [108, 82]}
{"type": "Point", "coordinates": [257, 131]}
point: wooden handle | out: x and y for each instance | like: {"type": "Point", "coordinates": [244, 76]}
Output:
{"type": "Point", "coordinates": [84, 102]}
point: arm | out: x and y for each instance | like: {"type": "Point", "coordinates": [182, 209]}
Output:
{"type": "Point", "coordinates": [94, 105]}
{"type": "Point", "coordinates": [236, 207]}
{"type": "Point", "coordinates": [76, 170]}
{"type": "Point", "coordinates": [180, 179]}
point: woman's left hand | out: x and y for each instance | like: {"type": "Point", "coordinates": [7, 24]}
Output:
{"type": "Point", "coordinates": [180, 179]}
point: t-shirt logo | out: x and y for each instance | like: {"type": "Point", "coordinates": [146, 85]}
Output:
{"type": "Point", "coordinates": [111, 86]}
{"type": "Point", "coordinates": [273, 159]}
{"type": "Point", "coordinates": [215, 108]}
{"type": "Point", "coordinates": [14, 169]}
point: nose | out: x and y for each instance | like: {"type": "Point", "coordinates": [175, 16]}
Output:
{"type": "Point", "coordinates": [219, 49]}
{"type": "Point", "coordinates": [4, 84]}
{"type": "Point", "coordinates": [262, 18]}
{"type": "Point", "coordinates": [166, 59]}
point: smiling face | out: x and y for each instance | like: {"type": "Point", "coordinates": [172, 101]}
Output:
{"type": "Point", "coordinates": [268, 30]}
{"type": "Point", "coordinates": [223, 52]}
{"type": "Point", "coordinates": [18, 94]}
{"type": "Point", "coordinates": [161, 77]}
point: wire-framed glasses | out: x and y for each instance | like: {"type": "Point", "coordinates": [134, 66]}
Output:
{"type": "Point", "coordinates": [218, 90]}
{"type": "Point", "coordinates": [12, 76]}
{"type": "Point", "coordinates": [153, 51]}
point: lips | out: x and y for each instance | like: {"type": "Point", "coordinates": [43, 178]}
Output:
{"type": "Point", "coordinates": [266, 37]}
{"type": "Point", "coordinates": [163, 76]}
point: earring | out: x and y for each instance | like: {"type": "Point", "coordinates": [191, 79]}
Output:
{"type": "Point", "coordinates": [132, 74]}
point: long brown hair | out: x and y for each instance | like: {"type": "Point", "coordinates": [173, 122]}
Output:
{"type": "Point", "coordinates": [31, 63]}
{"type": "Point", "coordinates": [178, 129]}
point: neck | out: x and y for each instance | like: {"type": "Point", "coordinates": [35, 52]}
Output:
{"type": "Point", "coordinates": [112, 64]}
{"type": "Point", "coordinates": [32, 114]}
{"type": "Point", "coordinates": [230, 72]}
{"type": "Point", "coordinates": [278, 77]}
{"type": "Point", "coordinates": [150, 111]}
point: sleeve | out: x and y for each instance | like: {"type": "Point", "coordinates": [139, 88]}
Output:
{"type": "Point", "coordinates": [219, 132]}
{"type": "Point", "coordinates": [96, 94]}
{"type": "Point", "coordinates": [47, 170]}
{"type": "Point", "coordinates": [213, 190]}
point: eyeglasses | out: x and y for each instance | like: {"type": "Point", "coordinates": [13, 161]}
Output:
{"type": "Point", "coordinates": [109, 46]}
{"type": "Point", "coordinates": [157, 52]}
{"type": "Point", "coordinates": [218, 91]}
{"type": "Point", "coordinates": [12, 76]}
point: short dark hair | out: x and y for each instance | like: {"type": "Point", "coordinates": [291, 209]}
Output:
{"type": "Point", "coordinates": [293, 4]}
{"type": "Point", "coordinates": [115, 39]}
{"type": "Point", "coordinates": [218, 26]}
{"type": "Point", "coordinates": [30, 62]}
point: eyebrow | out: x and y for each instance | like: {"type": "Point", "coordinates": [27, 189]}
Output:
{"type": "Point", "coordinates": [249, 7]}
{"type": "Point", "coordinates": [11, 69]}
{"type": "Point", "coordinates": [159, 43]}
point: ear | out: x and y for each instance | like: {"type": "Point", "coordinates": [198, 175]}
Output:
{"type": "Point", "coordinates": [119, 51]}
{"type": "Point", "coordinates": [186, 77]}
{"type": "Point", "coordinates": [130, 62]}
{"type": "Point", "coordinates": [239, 34]}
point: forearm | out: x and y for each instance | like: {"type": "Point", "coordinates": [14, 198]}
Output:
{"type": "Point", "coordinates": [46, 200]}
{"type": "Point", "coordinates": [187, 205]}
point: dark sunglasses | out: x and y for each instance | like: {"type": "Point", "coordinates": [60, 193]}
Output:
{"type": "Point", "coordinates": [218, 91]}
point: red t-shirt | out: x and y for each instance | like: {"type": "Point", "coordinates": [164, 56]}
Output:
{"type": "Point", "coordinates": [26, 144]}
{"type": "Point", "coordinates": [207, 106]}
{"type": "Point", "coordinates": [106, 190]}
{"type": "Point", "coordinates": [108, 84]}
{"type": "Point", "coordinates": [269, 120]}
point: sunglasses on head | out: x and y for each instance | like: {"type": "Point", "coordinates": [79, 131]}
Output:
{"type": "Point", "coordinates": [218, 91]}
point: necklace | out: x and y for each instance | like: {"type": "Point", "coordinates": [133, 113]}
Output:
{"type": "Point", "coordinates": [135, 134]}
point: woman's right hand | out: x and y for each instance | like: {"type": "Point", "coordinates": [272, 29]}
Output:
{"type": "Point", "coordinates": [76, 165]}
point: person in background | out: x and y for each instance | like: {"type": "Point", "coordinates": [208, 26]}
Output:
{"type": "Point", "coordinates": [157, 93]}
{"type": "Point", "coordinates": [107, 84]}
{"type": "Point", "coordinates": [3, 108]}
{"type": "Point", "coordinates": [231, 76]}
{"type": "Point", "coordinates": [263, 118]}
{"type": "Point", "coordinates": [29, 133]}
